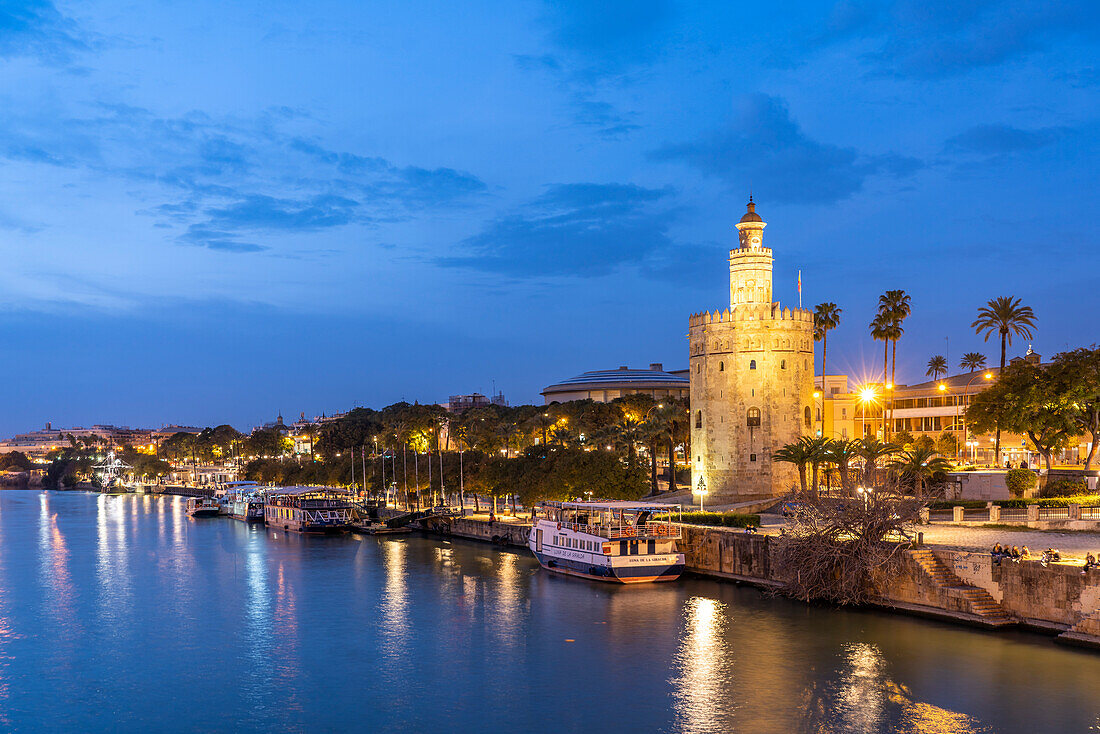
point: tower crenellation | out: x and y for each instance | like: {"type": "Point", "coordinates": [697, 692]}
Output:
{"type": "Point", "coordinates": [751, 378]}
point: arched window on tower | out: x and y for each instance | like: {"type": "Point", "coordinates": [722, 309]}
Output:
{"type": "Point", "coordinates": [698, 419]}
{"type": "Point", "coordinates": [721, 366]}
{"type": "Point", "coordinates": [752, 364]}
{"type": "Point", "coordinates": [808, 416]}
{"type": "Point", "coordinates": [753, 417]}
{"type": "Point", "coordinates": [782, 364]}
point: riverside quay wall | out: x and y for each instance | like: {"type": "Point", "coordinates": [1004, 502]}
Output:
{"type": "Point", "coordinates": [955, 586]}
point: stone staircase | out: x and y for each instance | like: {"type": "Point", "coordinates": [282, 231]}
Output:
{"type": "Point", "coordinates": [1086, 632]}
{"type": "Point", "coordinates": [969, 599]}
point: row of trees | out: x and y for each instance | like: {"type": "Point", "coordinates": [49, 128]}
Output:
{"type": "Point", "coordinates": [1050, 404]}
{"type": "Point", "coordinates": [857, 463]}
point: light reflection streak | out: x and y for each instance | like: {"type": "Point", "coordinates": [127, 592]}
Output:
{"type": "Point", "coordinates": [861, 697]}
{"type": "Point", "coordinates": [395, 612]}
{"type": "Point", "coordinates": [285, 653]}
{"type": "Point", "coordinates": [701, 684]}
{"type": "Point", "coordinates": [7, 635]}
{"type": "Point", "coordinates": [507, 620]}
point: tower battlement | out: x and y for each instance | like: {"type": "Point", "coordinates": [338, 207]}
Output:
{"type": "Point", "coordinates": [751, 312]}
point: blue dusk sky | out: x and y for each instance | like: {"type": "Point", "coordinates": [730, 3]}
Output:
{"type": "Point", "coordinates": [214, 211]}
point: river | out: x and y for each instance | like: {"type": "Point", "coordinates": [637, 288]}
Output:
{"type": "Point", "coordinates": [122, 613]}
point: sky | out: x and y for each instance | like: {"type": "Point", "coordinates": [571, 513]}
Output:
{"type": "Point", "coordinates": [215, 212]}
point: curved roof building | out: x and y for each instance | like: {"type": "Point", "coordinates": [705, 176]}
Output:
{"type": "Point", "coordinates": [603, 386]}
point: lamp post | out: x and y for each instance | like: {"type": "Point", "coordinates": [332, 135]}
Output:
{"type": "Point", "coordinates": [701, 490]}
{"type": "Point", "coordinates": [966, 429]}
{"type": "Point", "coordinates": [821, 410]}
{"type": "Point", "coordinates": [867, 395]}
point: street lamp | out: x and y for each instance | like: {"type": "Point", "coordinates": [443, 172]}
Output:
{"type": "Point", "coordinates": [701, 490]}
{"type": "Point", "coordinates": [821, 411]}
{"type": "Point", "coordinates": [867, 395]}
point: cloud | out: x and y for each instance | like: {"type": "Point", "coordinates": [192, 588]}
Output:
{"type": "Point", "coordinates": [996, 139]}
{"type": "Point", "coordinates": [941, 38]}
{"type": "Point", "coordinates": [572, 230]}
{"type": "Point", "coordinates": [607, 37]}
{"type": "Point", "coordinates": [764, 149]}
{"type": "Point", "coordinates": [37, 29]}
{"type": "Point", "coordinates": [223, 179]}
{"type": "Point", "coordinates": [601, 116]}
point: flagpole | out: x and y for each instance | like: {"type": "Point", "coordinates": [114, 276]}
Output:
{"type": "Point", "coordinates": [800, 289]}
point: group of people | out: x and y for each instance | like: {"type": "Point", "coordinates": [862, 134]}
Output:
{"type": "Point", "coordinates": [1090, 562]}
{"type": "Point", "coordinates": [1014, 554]}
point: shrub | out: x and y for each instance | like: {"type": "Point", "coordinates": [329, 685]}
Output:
{"type": "Point", "coordinates": [1063, 488]}
{"type": "Point", "coordinates": [723, 519]}
{"type": "Point", "coordinates": [1019, 481]}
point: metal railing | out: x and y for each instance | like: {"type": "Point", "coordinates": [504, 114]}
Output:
{"type": "Point", "coordinates": [976, 515]}
{"type": "Point", "coordinates": [1090, 513]}
{"type": "Point", "coordinates": [1053, 513]}
{"type": "Point", "coordinates": [941, 515]}
{"type": "Point", "coordinates": [652, 529]}
{"type": "Point", "coordinates": [1013, 514]}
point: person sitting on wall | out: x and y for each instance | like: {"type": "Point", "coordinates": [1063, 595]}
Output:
{"type": "Point", "coordinates": [997, 553]}
{"type": "Point", "coordinates": [1025, 554]}
{"type": "Point", "coordinates": [1090, 562]}
{"type": "Point", "coordinates": [1014, 553]}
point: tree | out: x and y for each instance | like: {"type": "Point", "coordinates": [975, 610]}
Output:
{"type": "Point", "coordinates": [1004, 316]}
{"type": "Point", "coordinates": [880, 331]}
{"type": "Point", "coordinates": [947, 444]}
{"type": "Point", "coordinates": [826, 318]}
{"type": "Point", "coordinates": [895, 305]}
{"type": "Point", "coordinates": [872, 450]}
{"type": "Point", "coordinates": [1028, 399]}
{"type": "Point", "coordinates": [842, 452]}
{"type": "Point", "coordinates": [805, 453]}
{"type": "Point", "coordinates": [918, 466]}
{"type": "Point", "coordinates": [1078, 376]}
{"type": "Point", "coordinates": [937, 366]}
{"type": "Point", "coordinates": [972, 362]}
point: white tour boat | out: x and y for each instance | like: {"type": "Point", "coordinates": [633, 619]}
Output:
{"type": "Point", "coordinates": [613, 540]}
{"type": "Point", "coordinates": [203, 507]}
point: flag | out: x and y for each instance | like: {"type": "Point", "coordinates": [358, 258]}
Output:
{"type": "Point", "coordinates": [800, 289]}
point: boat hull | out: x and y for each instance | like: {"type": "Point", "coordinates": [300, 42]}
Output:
{"type": "Point", "coordinates": [633, 574]}
{"type": "Point", "coordinates": [204, 512]}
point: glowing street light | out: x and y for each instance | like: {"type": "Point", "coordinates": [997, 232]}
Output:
{"type": "Point", "coordinates": [701, 490]}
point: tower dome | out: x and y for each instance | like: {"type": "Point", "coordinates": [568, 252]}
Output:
{"type": "Point", "coordinates": [751, 215]}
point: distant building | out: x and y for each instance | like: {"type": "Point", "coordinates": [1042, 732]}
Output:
{"type": "Point", "coordinates": [461, 403]}
{"type": "Point", "coordinates": [603, 386]}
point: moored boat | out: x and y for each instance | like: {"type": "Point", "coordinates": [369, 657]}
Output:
{"type": "Point", "coordinates": [307, 510]}
{"type": "Point", "coordinates": [202, 507]}
{"type": "Point", "coordinates": [614, 541]}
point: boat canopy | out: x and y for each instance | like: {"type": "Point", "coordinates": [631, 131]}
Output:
{"type": "Point", "coordinates": [621, 505]}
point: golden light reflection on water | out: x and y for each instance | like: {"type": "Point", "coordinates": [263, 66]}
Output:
{"type": "Point", "coordinates": [395, 611]}
{"type": "Point", "coordinates": [700, 683]}
{"type": "Point", "coordinates": [861, 697]}
{"type": "Point", "coordinates": [285, 654]}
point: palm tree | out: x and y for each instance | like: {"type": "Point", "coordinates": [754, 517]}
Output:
{"type": "Point", "coordinates": [897, 305]}
{"type": "Point", "coordinates": [1005, 316]}
{"type": "Point", "coordinates": [937, 366]}
{"type": "Point", "coordinates": [880, 331]}
{"type": "Point", "coordinates": [919, 464]}
{"type": "Point", "coordinates": [801, 453]}
{"type": "Point", "coordinates": [826, 318]}
{"type": "Point", "coordinates": [972, 362]}
{"type": "Point", "coordinates": [871, 449]}
{"type": "Point", "coordinates": [842, 451]}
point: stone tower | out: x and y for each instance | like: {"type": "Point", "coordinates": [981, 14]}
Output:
{"type": "Point", "coordinates": [752, 379]}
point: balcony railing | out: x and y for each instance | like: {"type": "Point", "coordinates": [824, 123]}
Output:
{"type": "Point", "coordinates": [652, 529]}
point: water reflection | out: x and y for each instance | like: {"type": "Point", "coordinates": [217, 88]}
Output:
{"type": "Point", "coordinates": [700, 685]}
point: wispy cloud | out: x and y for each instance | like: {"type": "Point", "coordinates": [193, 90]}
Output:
{"type": "Point", "coordinates": [36, 28]}
{"type": "Point", "coordinates": [572, 230]}
{"type": "Point", "coordinates": [998, 139]}
{"type": "Point", "coordinates": [225, 179]}
{"type": "Point", "coordinates": [941, 38]}
{"type": "Point", "coordinates": [762, 147]}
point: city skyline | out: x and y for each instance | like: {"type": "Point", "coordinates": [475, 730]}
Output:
{"type": "Point", "coordinates": [217, 213]}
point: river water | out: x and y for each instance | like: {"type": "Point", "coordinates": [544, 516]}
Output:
{"type": "Point", "coordinates": [122, 613]}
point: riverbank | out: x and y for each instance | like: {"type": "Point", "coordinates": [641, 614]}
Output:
{"type": "Point", "coordinates": [959, 586]}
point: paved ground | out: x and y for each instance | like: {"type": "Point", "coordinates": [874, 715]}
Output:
{"type": "Point", "coordinates": [954, 536]}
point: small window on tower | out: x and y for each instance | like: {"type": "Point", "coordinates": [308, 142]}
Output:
{"type": "Point", "coordinates": [752, 364]}
{"type": "Point", "coordinates": [808, 414]}
{"type": "Point", "coordinates": [783, 364]}
{"type": "Point", "coordinates": [698, 419]}
{"type": "Point", "coordinates": [754, 417]}
{"type": "Point", "coordinates": [721, 366]}
{"type": "Point", "coordinates": [752, 457]}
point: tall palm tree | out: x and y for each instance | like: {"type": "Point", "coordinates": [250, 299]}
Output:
{"type": "Point", "coordinates": [880, 331]}
{"type": "Point", "coordinates": [972, 362]}
{"type": "Point", "coordinates": [937, 366]}
{"type": "Point", "coordinates": [803, 453]}
{"type": "Point", "coordinates": [897, 305]}
{"type": "Point", "coordinates": [1005, 316]}
{"type": "Point", "coordinates": [826, 318]}
{"type": "Point", "coordinates": [919, 464]}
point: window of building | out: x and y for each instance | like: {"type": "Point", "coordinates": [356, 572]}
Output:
{"type": "Point", "coordinates": [721, 366]}
{"type": "Point", "coordinates": [843, 413]}
{"type": "Point", "coordinates": [698, 419]}
{"type": "Point", "coordinates": [752, 457]}
{"type": "Point", "coordinates": [809, 419]}
{"type": "Point", "coordinates": [782, 364]}
{"type": "Point", "coordinates": [754, 417]}
{"type": "Point", "coordinates": [752, 364]}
